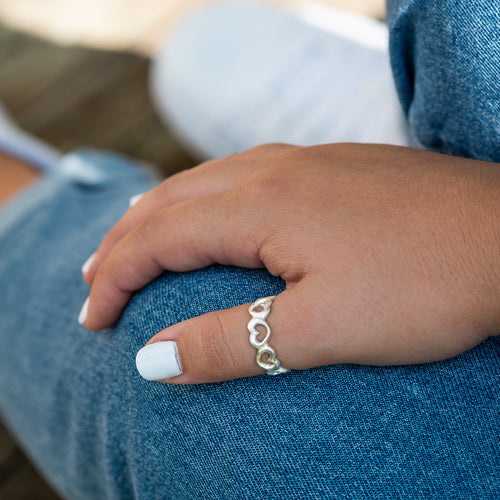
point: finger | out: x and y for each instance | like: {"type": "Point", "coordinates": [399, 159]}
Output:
{"type": "Point", "coordinates": [208, 178]}
{"type": "Point", "coordinates": [185, 185]}
{"type": "Point", "coordinates": [216, 346]}
{"type": "Point", "coordinates": [183, 237]}
{"type": "Point", "coordinates": [263, 151]}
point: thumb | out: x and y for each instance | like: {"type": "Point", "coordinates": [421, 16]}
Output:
{"type": "Point", "coordinates": [216, 346]}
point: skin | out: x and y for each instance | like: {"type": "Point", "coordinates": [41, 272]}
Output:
{"type": "Point", "coordinates": [389, 254]}
{"type": "Point", "coordinates": [14, 176]}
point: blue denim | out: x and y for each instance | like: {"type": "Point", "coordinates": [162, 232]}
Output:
{"type": "Point", "coordinates": [445, 56]}
{"type": "Point", "coordinates": [97, 430]}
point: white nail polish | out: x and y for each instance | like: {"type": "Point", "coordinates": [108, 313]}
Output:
{"type": "Point", "coordinates": [135, 199]}
{"type": "Point", "coordinates": [82, 317]}
{"type": "Point", "coordinates": [88, 263]}
{"type": "Point", "coordinates": [158, 361]}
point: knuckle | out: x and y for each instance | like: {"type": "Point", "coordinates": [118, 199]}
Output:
{"type": "Point", "coordinates": [309, 155]}
{"type": "Point", "coordinates": [169, 188]}
{"type": "Point", "coordinates": [280, 145]}
{"type": "Point", "coordinates": [269, 147]}
{"type": "Point", "coordinates": [267, 187]}
{"type": "Point", "coordinates": [216, 347]}
{"type": "Point", "coordinates": [261, 150]}
{"type": "Point", "coordinates": [272, 148]}
{"type": "Point", "coordinates": [108, 279]}
{"type": "Point", "coordinates": [148, 230]}
{"type": "Point", "coordinates": [113, 236]}
{"type": "Point", "coordinates": [179, 177]}
{"type": "Point", "coordinates": [260, 201]}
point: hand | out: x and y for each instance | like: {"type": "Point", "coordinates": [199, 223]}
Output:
{"type": "Point", "coordinates": [390, 255]}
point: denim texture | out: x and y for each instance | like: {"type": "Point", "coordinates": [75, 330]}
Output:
{"type": "Point", "coordinates": [445, 56]}
{"type": "Point", "coordinates": [97, 430]}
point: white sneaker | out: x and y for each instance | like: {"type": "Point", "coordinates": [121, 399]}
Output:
{"type": "Point", "coordinates": [16, 142]}
{"type": "Point", "coordinates": [234, 75]}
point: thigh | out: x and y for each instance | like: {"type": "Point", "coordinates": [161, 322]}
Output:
{"type": "Point", "coordinates": [445, 56]}
{"type": "Point", "coordinates": [98, 430]}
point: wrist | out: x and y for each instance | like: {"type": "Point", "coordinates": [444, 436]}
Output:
{"type": "Point", "coordinates": [479, 215]}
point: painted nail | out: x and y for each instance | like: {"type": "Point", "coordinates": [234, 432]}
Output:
{"type": "Point", "coordinates": [158, 361]}
{"type": "Point", "coordinates": [88, 263]}
{"type": "Point", "coordinates": [82, 317]}
{"type": "Point", "coordinates": [135, 199]}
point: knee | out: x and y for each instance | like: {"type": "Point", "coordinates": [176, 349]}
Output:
{"type": "Point", "coordinates": [446, 60]}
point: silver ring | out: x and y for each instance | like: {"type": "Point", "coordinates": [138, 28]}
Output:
{"type": "Point", "coordinates": [259, 311]}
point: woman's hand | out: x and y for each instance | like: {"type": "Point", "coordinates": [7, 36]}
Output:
{"type": "Point", "coordinates": [390, 255]}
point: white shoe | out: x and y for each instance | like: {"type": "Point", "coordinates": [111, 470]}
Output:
{"type": "Point", "coordinates": [234, 75]}
{"type": "Point", "coordinates": [16, 142]}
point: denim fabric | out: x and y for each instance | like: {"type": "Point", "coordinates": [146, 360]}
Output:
{"type": "Point", "coordinates": [99, 431]}
{"type": "Point", "coordinates": [445, 56]}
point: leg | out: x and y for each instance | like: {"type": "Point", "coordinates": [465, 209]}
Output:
{"type": "Point", "coordinates": [98, 430]}
{"type": "Point", "coordinates": [446, 57]}
{"type": "Point", "coordinates": [14, 176]}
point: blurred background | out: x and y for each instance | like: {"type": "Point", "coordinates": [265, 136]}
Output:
{"type": "Point", "coordinates": [136, 25]}
{"type": "Point", "coordinates": [75, 72]}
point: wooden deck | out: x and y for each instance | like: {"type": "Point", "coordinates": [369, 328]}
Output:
{"type": "Point", "coordinates": [75, 96]}
{"type": "Point", "coordinates": [18, 478]}
{"type": "Point", "coordinates": [72, 96]}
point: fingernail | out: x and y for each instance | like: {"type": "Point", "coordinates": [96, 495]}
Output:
{"type": "Point", "coordinates": [135, 199]}
{"type": "Point", "coordinates": [158, 361]}
{"type": "Point", "coordinates": [88, 263]}
{"type": "Point", "coordinates": [82, 317]}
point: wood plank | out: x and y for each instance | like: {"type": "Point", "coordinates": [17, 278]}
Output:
{"type": "Point", "coordinates": [18, 478]}
{"type": "Point", "coordinates": [75, 96]}
{"type": "Point", "coordinates": [27, 484]}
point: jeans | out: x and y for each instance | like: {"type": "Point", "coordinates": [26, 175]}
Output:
{"type": "Point", "coordinates": [445, 56]}
{"type": "Point", "coordinates": [97, 430]}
